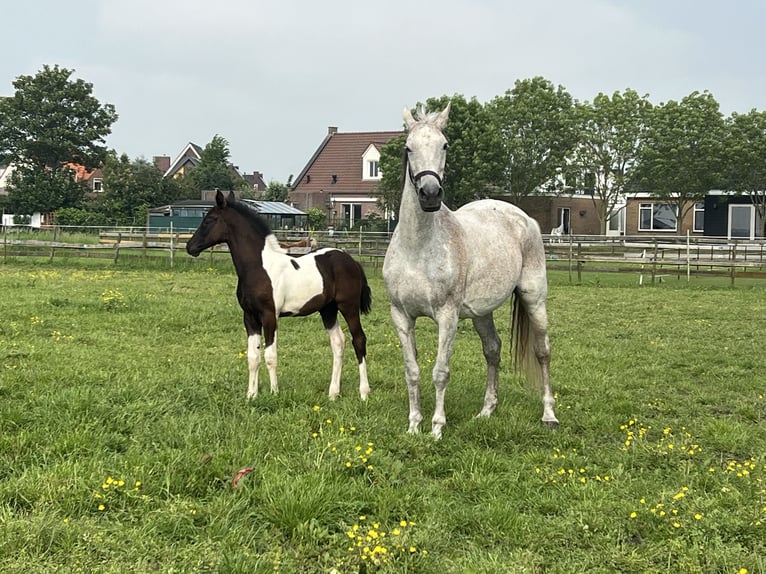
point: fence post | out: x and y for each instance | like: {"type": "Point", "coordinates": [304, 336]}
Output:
{"type": "Point", "coordinates": [117, 246]}
{"type": "Point", "coordinates": [579, 262]}
{"type": "Point", "coordinates": [53, 248]}
{"type": "Point", "coordinates": [654, 261]}
{"type": "Point", "coordinates": [733, 261]}
{"type": "Point", "coordinates": [172, 250]}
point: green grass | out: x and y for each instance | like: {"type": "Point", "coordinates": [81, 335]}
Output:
{"type": "Point", "coordinates": [123, 421]}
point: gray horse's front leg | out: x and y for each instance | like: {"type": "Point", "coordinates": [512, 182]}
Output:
{"type": "Point", "coordinates": [447, 322]}
{"type": "Point", "coordinates": [405, 329]}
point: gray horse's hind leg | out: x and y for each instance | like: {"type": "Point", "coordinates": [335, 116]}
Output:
{"type": "Point", "coordinates": [491, 345]}
{"type": "Point", "coordinates": [538, 338]}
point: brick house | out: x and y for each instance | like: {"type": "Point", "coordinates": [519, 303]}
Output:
{"type": "Point", "coordinates": [189, 158]}
{"type": "Point", "coordinates": [341, 175]}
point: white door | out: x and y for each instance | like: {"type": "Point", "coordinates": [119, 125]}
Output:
{"type": "Point", "coordinates": [616, 223]}
{"type": "Point", "coordinates": [741, 221]}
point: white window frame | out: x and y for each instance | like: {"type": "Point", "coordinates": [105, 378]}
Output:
{"type": "Point", "coordinates": [699, 209]}
{"type": "Point", "coordinates": [651, 206]}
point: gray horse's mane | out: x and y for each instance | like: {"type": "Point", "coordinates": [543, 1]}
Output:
{"type": "Point", "coordinates": [420, 114]}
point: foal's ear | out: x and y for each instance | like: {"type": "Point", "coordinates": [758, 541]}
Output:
{"type": "Point", "coordinates": [409, 121]}
{"type": "Point", "coordinates": [441, 119]}
{"type": "Point", "coordinates": [220, 200]}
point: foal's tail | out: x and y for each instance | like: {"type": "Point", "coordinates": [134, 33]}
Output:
{"type": "Point", "coordinates": [365, 297]}
{"type": "Point", "coordinates": [523, 344]}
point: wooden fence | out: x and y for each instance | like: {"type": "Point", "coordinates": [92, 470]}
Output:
{"type": "Point", "coordinates": [651, 259]}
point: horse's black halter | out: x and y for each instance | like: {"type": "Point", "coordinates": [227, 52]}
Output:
{"type": "Point", "coordinates": [415, 178]}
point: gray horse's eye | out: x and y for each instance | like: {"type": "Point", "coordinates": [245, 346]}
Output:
{"type": "Point", "coordinates": [407, 149]}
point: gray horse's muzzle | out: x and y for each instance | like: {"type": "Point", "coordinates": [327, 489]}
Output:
{"type": "Point", "coordinates": [428, 185]}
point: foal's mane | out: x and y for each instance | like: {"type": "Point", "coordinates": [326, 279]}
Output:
{"type": "Point", "coordinates": [254, 219]}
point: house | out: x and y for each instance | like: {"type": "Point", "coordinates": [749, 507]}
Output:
{"type": "Point", "coordinates": [5, 177]}
{"type": "Point", "coordinates": [256, 182]}
{"type": "Point", "coordinates": [341, 175]}
{"type": "Point", "coordinates": [188, 158]}
{"type": "Point", "coordinates": [733, 216]}
{"type": "Point", "coordinates": [645, 214]}
{"type": "Point", "coordinates": [576, 212]}
{"type": "Point", "coordinates": [93, 179]}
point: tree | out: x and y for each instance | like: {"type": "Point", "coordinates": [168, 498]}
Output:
{"type": "Point", "coordinates": [214, 169]}
{"type": "Point", "coordinates": [130, 187]}
{"type": "Point", "coordinates": [682, 159]}
{"type": "Point", "coordinates": [33, 188]}
{"type": "Point", "coordinates": [612, 133]}
{"type": "Point", "coordinates": [535, 130]}
{"type": "Point", "coordinates": [50, 122]}
{"type": "Point", "coordinates": [276, 191]}
{"type": "Point", "coordinates": [746, 157]}
{"type": "Point", "coordinates": [389, 189]}
{"type": "Point", "coordinates": [317, 218]}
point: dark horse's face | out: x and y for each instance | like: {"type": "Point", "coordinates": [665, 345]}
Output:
{"type": "Point", "coordinates": [213, 229]}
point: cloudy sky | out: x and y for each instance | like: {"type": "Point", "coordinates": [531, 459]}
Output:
{"type": "Point", "coordinates": [271, 76]}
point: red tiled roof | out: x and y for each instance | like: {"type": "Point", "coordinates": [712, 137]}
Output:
{"type": "Point", "coordinates": [340, 155]}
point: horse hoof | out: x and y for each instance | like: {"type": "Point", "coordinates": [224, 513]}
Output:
{"type": "Point", "coordinates": [553, 425]}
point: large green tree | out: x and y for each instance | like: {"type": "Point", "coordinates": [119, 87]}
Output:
{"type": "Point", "coordinates": [612, 131]}
{"type": "Point", "coordinates": [534, 130]}
{"type": "Point", "coordinates": [746, 157]}
{"type": "Point", "coordinates": [214, 169]}
{"type": "Point", "coordinates": [683, 157]}
{"type": "Point", "coordinates": [50, 122]}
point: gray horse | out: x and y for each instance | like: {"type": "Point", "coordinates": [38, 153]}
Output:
{"type": "Point", "coordinates": [464, 264]}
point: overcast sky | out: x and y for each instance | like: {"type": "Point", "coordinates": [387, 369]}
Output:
{"type": "Point", "coordinates": [271, 76]}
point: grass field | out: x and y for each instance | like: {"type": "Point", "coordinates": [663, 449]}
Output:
{"type": "Point", "coordinates": [123, 424]}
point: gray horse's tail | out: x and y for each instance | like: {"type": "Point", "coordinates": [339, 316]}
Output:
{"type": "Point", "coordinates": [523, 344]}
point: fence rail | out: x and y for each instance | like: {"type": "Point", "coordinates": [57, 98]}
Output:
{"type": "Point", "coordinates": [651, 258]}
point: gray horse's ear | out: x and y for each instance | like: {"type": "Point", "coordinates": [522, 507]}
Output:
{"type": "Point", "coordinates": [409, 121]}
{"type": "Point", "coordinates": [220, 200]}
{"type": "Point", "coordinates": [441, 119]}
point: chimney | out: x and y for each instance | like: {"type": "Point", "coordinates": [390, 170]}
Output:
{"type": "Point", "coordinates": [162, 162]}
{"type": "Point", "coordinates": [332, 130]}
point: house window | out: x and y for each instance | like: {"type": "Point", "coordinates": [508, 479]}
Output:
{"type": "Point", "coordinates": [352, 213]}
{"type": "Point", "coordinates": [374, 169]}
{"type": "Point", "coordinates": [657, 217]}
{"type": "Point", "coordinates": [98, 186]}
{"type": "Point", "coordinates": [699, 217]}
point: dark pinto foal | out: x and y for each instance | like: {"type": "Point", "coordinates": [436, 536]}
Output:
{"type": "Point", "coordinates": [273, 284]}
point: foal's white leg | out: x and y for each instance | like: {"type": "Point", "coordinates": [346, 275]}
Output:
{"type": "Point", "coordinates": [338, 343]}
{"type": "Point", "coordinates": [253, 361]}
{"type": "Point", "coordinates": [405, 329]}
{"type": "Point", "coordinates": [270, 356]}
{"type": "Point", "coordinates": [364, 384]}
{"type": "Point", "coordinates": [447, 321]}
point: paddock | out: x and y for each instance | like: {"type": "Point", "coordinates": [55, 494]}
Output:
{"type": "Point", "coordinates": [660, 401]}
